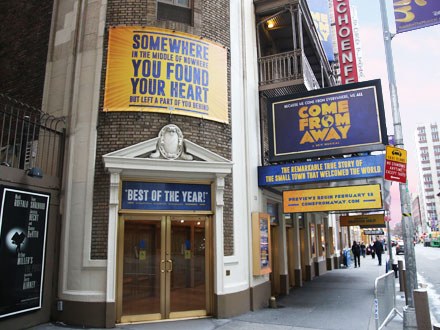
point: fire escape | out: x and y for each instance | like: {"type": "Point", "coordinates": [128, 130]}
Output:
{"type": "Point", "coordinates": [291, 58]}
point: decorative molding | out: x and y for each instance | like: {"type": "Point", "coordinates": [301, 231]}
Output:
{"type": "Point", "coordinates": [170, 144]}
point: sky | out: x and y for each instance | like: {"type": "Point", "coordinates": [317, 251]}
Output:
{"type": "Point", "coordinates": [416, 61]}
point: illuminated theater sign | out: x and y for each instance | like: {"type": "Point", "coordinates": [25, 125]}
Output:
{"type": "Point", "coordinates": [330, 121]}
{"type": "Point", "coordinates": [159, 70]}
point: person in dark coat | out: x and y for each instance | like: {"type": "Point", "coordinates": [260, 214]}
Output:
{"type": "Point", "coordinates": [378, 248]}
{"type": "Point", "coordinates": [363, 248]}
{"type": "Point", "coordinates": [356, 249]}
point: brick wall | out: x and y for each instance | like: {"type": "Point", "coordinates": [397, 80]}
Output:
{"type": "Point", "coordinates": [24, 37]}
{"type": "Point", "coordinates": [117, 130]}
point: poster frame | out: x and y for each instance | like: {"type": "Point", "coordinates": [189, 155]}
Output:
{"type": "Point", "coordinates": [22, 304]}
{"type": "Point", "coordinates": [261, 244]}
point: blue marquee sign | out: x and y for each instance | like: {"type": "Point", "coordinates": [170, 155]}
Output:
{"type": "Point", "coordinates": [323, 170]}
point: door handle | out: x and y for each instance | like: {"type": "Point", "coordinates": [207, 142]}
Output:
{"type": "Point", "coordinates": [171, 268]}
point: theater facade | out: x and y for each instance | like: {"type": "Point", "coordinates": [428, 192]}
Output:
{"type": "Point", "coordinates": [209, 151]}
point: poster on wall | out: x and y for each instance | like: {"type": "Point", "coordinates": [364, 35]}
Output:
{"type": "Point", "coordinates": [158, 70]}
{"type": "Point", "coordinates": [23, 226]}
{"type": "Point", "coordinates": [261, 244]}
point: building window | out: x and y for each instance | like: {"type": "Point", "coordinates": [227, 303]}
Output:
{"type": "Point", "coordinates": [427, 178]}
{"type": "Point", "coordinates": [175, 10]}
{"type": "Point", "coordinates": [182, 3]}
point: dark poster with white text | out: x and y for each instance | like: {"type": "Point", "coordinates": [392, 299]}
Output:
{"type": "Point", "coordinates": [23, 223]}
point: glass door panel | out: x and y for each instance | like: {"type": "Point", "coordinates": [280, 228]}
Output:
{"type": "Point", "coordinates": [141, 267]}
{"type": "Point", "coordinates": [188, 255]}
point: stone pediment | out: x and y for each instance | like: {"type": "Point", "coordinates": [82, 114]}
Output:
{"type": "Point", "coordinates": [167, 153]}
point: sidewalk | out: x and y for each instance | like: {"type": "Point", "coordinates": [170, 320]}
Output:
{"type": "Point", "coordinates": [340, 299]}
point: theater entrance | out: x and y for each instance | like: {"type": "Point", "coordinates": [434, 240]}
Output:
{"type": "Point", "coordinates": [163, 267]}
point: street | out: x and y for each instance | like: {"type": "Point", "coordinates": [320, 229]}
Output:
{"type": "Point", "coordinates": [428, 267]}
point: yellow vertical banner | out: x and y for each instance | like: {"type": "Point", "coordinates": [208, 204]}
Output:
{"type": "Point", "coordinates": [159, 70]}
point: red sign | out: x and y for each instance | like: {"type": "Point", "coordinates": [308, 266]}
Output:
{"type": "Point", "coordinates": [395, 164]}
{"type": "Point", "coordinates": [345, 40]}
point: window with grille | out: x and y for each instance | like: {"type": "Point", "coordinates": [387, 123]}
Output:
{"type": "Point", "coordinates": [175, 10]}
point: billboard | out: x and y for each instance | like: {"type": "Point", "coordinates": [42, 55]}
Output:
{"type": "Point", "coordinates": [412, 15]}
{"type": "Point", "coordinates": [345, 42]}
{"type": "Point", "coordinates": [348, 198]}
{"type": "Point", "coordinates": [23, 226]}
{"type": "Point", "coordinates": [330, 121]}
{"type": "Point", "coordinates": [158, 70]}
{"type": "Point", "coordinates": [322, 170]}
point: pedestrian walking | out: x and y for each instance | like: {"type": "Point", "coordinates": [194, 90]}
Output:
{"type": "Point", "coordinates": [373, 253]}
{"type": "Point", "coordinates": [356, 249]}
{"type": "Point", "coordinates": [378, 247]}
{"type": "Point", "coordinates": [363, 248]}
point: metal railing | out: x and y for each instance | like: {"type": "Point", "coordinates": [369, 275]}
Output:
{"type": "Point", "coordinates": [284, 67]}
{"type": "Point", "coordinates": [309, 77]}
{"type": "Point", "coordinates": [30, 138]}
{"type": "Point", "coordinates": [385, 299]}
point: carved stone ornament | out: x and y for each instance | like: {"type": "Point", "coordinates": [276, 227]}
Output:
{"type": "Point", "coordinates": [170, 144]}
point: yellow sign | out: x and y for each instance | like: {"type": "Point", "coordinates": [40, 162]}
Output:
{"type": "Point", "coordinates": [366, 220]}
{"type": "Point", "coordinates": [395, 154]}
{"type": "Point", "coordinates": [159, 70]}
{"type": "Point", "coordinates": [333, 199]}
